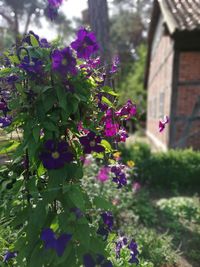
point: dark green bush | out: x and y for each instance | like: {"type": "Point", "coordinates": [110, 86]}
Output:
{"type": "Point", "coordinates": [175, 167]}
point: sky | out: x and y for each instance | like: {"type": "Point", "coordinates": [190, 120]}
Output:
{"type": "Point", "coordinates": [72, 8]}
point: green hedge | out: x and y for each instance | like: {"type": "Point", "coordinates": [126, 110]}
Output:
{"type": "Point", "coordinates": [175, 167]}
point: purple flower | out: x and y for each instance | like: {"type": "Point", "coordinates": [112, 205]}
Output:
{"type": "Point", "coordinates": [107, 218]}
{"type": "Point", "coordinates": [115, 65]}
{"type": "Point", "coordinates": [102, 106]}
{"type": "Point", "coordinates": [103, 174]}
{"type": "Point", "coordinates": [55, 154]}
{"type": "Point", "coordinates": [162, 123]}
{"type": "Point", "coordinates": [134, 252]}
{"type": "Point", "coordinates": [5, 121]}
{"type": "Point", "coordinates": [44, 43]}
{"type": "Point", "coordinates": [100, 260]}
{"type": "Point", "coordinates": [91, 142]}
{"type": "Point", "coordinates": [12, 79]}
{"type": "Point", "coordinates": [127, 111]}
{"type": "Point", "coordinates": [122, 135]}
{"type": "Point", "coordinates": [132, 246]}
{"type": "Point", "coordinates": [107, 225]}
{"type": "Point", "coordinates": [9, 255]}
{"type": "Point", "coordinates": [64, 62]}
{"type": "Point", "coordinates": [52, 12]}
{"type": "Point", "coordinates": [51, 242]}
{"type": "Point", "coordinates": [33, 66]}
{"type": "Point", "coordinates": [85, 45]}
{"type": "Point", "coordinates": [3, 105]}
{"type": "Point", "coordinates": [111, 129]}
{"type": "Point", "coordinates": [55, 3]}
{"type": "Point", "coordinates": [120, 176]}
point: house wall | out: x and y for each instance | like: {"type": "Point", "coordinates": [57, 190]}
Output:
{"type": "Point", "coordinates": [160, 87]}
{"type": "Point", "coordinates": [188, 92]}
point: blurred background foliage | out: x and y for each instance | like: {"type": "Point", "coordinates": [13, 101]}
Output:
{"type": "Point", "coordinates": [127, 26]}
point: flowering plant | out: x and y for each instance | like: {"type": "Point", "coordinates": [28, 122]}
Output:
{"type": "Point", "coordinates": [56, 98]}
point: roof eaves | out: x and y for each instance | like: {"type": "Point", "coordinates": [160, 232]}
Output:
{"type": "Point", "coordinates": [168, 17]}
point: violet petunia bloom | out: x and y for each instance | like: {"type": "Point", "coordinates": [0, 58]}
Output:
{"type": "Point", "coordinates": [12, 79]}
{"type": "Point", "coordinates": [106, 227]}
{"type": "Point", "coordinates": [64, 62]}
{"type": "Point", "coordinates": [133, 251]}
{"type": "Point", "coordinates": [91, 143]}
{"type": "Point", "coordinates": [122, 242]}
{"type": "Point", "coordinates": [127, 111]}
{"type": "Point", "coordinates": [120, 176]}
{"type": "Point", "coordinates": [33, 66]}
{"type": "Point", "coordinates": [9, 255]}
{"type": "Point", "coordinates": [162, 123]}
{"type": "Point", "coordinates": [56, 154]}
{"type": "Point", "coordinates": [85, 45]}
{"type": "Point", "coordinates": [107, 218]}
{"type": "Point", "coordinates": [100, 260]}
{"type": "Point", "coordinates": [5, 121]}
{"type": "Point", "coordinates": [51, 242]}
{"type": "Point", "coordinates": [103, 174]}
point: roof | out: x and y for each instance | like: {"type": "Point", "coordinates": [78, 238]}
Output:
{"type": "Point", "coordinates": [181, 17]}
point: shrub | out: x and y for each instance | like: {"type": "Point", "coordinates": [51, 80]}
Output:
{"type": "Point", "coordinates": [175, 167]}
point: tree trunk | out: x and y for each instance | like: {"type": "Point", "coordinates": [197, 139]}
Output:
{"type": "Point", "coordinates": [99, 21]}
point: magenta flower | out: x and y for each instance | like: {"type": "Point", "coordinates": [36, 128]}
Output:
{"type": "Point", "coordinates": [111, 129]}
{"type": "Point", "coordinates": [85, 45]}
{"type": "Point", "coordinates": [103, 174]}
{"type": "Point", "coordinates": [162, 123]}
{"type": "Point", "coordinates": [55, 154]}
{"type": "Point", "coordinates": [51, 242]}
{"type": "Point", "coordinates": [81, 128]}
{"type": "Point", "coordinates": [136, 186]}
{"type": "Point", "coordinates": [64, 62]}
{"type": "Point", "coordinates": [91, 143]}
{"type": "Point", "coordinates": [127, 111]}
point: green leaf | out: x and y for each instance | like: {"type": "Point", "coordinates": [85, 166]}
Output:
{"type": "Point", "coordinates": [36, 133]}
{"type": "Point", "coordinates": [106, 145]}
{"type": "Point", "coordinates": [34, 41]}
{"type": "Point", "coordinates": [106, 101]}
{"type": "Point", "coordinates": [14, 59]}
{"type": "Point", "coordinates": [62, 99]}
{"type": "Point", "coordinates": [101, 203]}
{"type": "Point", "coordinates": [82, 233]}
{"type": "Point", "coordinates": [49, 125]}
{"type": "Point", "coordinates": [108, 90]}
{"type": "Point", "coordinates": [48, 101]}
{"type": "Point", "coordinates": [75, 194]}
